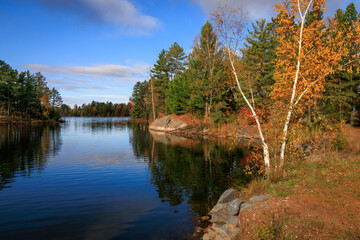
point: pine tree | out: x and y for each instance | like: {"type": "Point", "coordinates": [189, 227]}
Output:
{"type": "Point", "coordinates": [176, 60]}
{"type": "Point", "coordinates": [26, 95]}
{"type": "Point", "coordinates": [209, 76]}
{"type": "Point", "coordinates": [160, 77]}
{"type": "Point", "coordinates": [8, 79]}
{"type": "Point", "coordinates": [139, 100]}
{"type": "Point", "coordinates": [55, 98]}
{"type": "Point", "coordinates": [179, 93]}
{"type": "Point", "coordinates": [341, 87]}
{"type": "Point", "coordinates": [259, 56]}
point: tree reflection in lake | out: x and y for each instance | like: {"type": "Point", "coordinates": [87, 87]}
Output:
{"type": "Point", "coordinates": [25, 149]}
{"type": "Point", "coordinates": [188, 170]}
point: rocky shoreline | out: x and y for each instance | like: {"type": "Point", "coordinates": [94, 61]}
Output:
{"type": "Point", "coordinates": [184, 126]}
{"type": "Point", "coordinates": [225, 216]}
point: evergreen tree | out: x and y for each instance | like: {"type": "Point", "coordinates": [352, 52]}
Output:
{"type": "Point", "coordinates": [160, 80]}
{"type": "Point", "coordinates": [55, 98]}
{"type": "Point", "coordinates": [259, 56]}
{"type": "Point", "coordinates": [340, 95]}
{"type": "Point", "coordinates": [139, 100]}
{"type": "Point", "coordinates": [8, 79]}
{"type": "Point", "coordinates": [179, 93]}
{"type": "Point", "coordinates": [176, 60]}
{"type": "Point", "coordinates": [26, 95]}
{"type": "Point", "coordinates": [209, 76]}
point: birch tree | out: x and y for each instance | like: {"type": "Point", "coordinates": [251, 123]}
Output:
{"type": "Point", "coordinates": [230, 26]}
{"type": "Point", "coordinates": [307, 53]}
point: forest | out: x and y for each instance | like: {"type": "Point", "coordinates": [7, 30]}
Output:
{"type": "Point", "coordinates": [202, 83]}
{"type": "Point", "coordinates": [295, 78]}
{"type": "Point", "coordinates": [26, 96]}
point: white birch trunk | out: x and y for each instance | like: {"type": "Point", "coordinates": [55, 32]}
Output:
{"type": "Point", "coordinates": [263, 141]}
{"type": "Point", "coordinates": [152, 99]}
{"type": "Point", "coordinates": [293, 93]}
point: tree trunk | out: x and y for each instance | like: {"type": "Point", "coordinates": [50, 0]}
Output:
{"type": "Point", "coordinates": [263, 141]}
{"type": "Point", "coordinates": [292, 104]}
{"type": "Point", "coordinates": [152, 99]}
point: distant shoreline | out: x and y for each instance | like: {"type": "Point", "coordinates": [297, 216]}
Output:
{"type": "Point", "coordinates": [29, 122]}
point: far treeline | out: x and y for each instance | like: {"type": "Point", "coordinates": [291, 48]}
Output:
{"type": "Point", "coordinates": [97, 109]}
{"type": "Point", "coordinates": [203, 82]}
{"type": "Point", "coordinates": [24, 95]}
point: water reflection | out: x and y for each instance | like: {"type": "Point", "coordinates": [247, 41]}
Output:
{"type": "Point", "coordinates": [88, 181]}
{"type": "Point", "coordinates": [188, 170]}
{"type": "Point", "coordinates": [96, 125]}
{"type": "Point", "coordinates": [24, 150]}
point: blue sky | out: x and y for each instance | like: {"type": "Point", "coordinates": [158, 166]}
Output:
{"type": "Point", "coordinates": [98, 49]}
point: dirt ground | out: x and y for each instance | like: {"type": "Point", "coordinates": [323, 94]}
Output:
{"type": "Point", "coordinates": [320, 199]}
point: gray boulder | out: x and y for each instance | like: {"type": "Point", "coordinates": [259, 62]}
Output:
{"type": "Point", "coordinates": [259, 198]}
{"type": "Point", "coordinates": [228, 196]}
{"type": "Point", "coordinates": [247, 206]}
{"type": "Point", "coordinates": [167, 124]}
{"type": "Point", "coordinates": [234, 207]}
{"type": "Point", "coordinates": [233, 220]}
{"type": "Point", "coordinates": [220, 215]}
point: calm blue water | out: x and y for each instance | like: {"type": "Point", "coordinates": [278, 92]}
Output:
{"type": "Point", "coordinates": [97, 178]}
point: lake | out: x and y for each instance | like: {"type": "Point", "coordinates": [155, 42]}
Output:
{"type": "Point", "coordinates": [101, 178]}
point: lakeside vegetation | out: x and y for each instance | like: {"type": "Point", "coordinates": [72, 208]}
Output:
{"type": "Point", "coordinates": [202, 83]}
{"type": "Point", "coordinates": [295, 78]}
{"type": "Point", "coordinates": [26, 96]}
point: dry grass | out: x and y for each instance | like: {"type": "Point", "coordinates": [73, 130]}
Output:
{"type": "Point", "coordinates": [316, 198]}
{"type": "Point", "coordinates": [352, 136]}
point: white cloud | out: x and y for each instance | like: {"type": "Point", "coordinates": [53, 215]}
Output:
{"type": "Point", "coordinates": [262, 8]}
{"type": "Point", "coordinates": [122, 14]}
{"type": "Point", "coordinates": [101, 82]}
{"type": "Point", "coordinates": [254, 8]}
{"type": "Point", "coordinates": [110, 72]}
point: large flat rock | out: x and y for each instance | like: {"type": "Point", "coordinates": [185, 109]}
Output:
{"type": "Point", "coordinates": [167, 124]}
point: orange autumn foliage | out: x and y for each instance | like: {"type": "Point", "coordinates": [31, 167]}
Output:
{"type": "Point", "coordinates": [322, 48]}
{"type": "Point", "coordinates": [309, 50]}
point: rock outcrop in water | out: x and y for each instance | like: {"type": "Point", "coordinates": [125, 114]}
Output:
{"type": "Point", "coordinates": [168, 124]}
